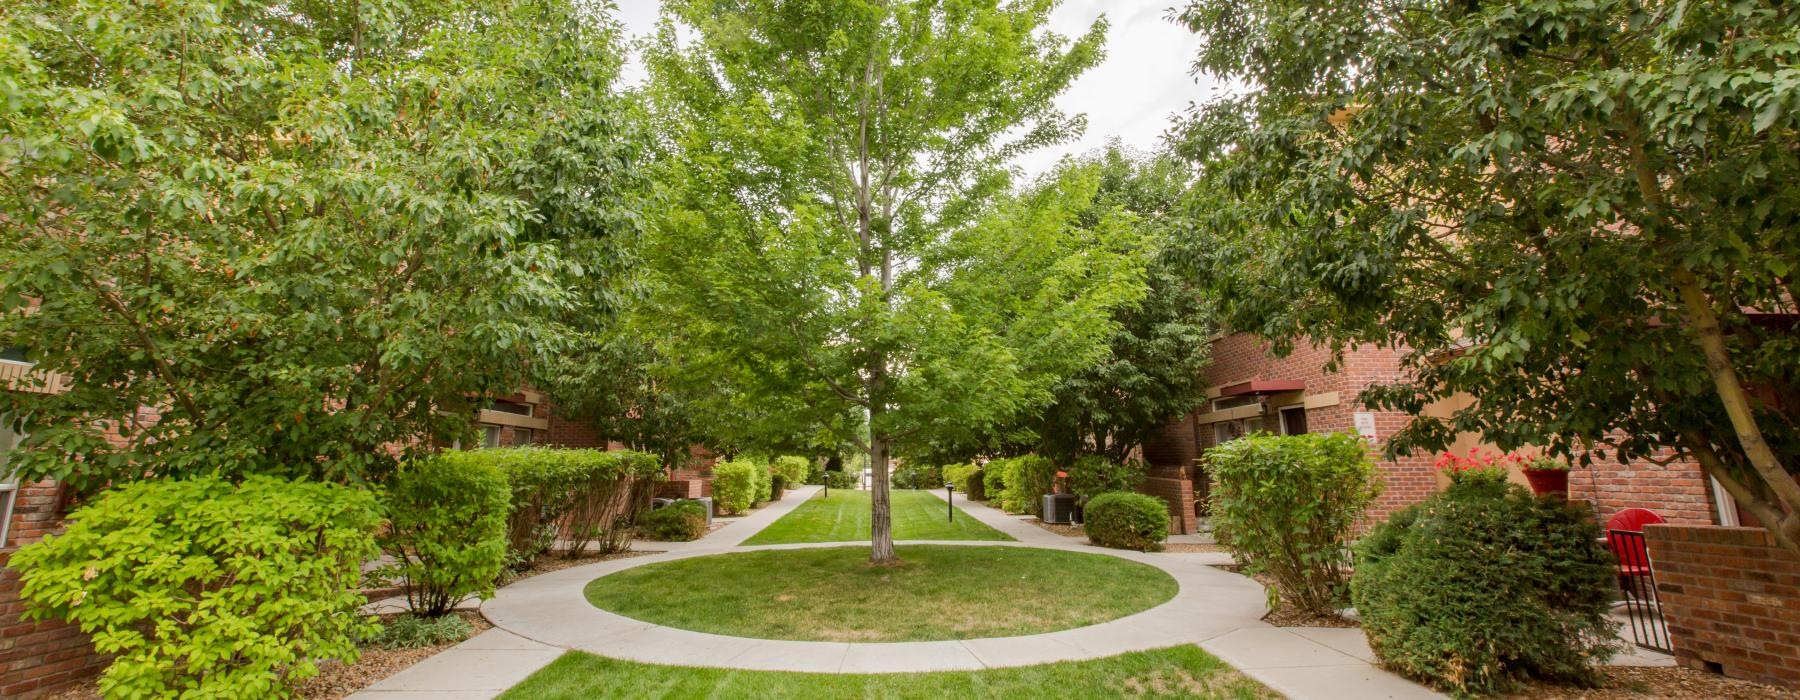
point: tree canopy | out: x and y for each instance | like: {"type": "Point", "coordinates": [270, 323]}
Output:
{"type": "Point", "coordinates": [839, 238]}
{"type": "Point", "coordinates": [309, 235]}
{"type": "Point", "coordinates": [1582, 214]}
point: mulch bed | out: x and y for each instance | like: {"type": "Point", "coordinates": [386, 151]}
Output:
{"type": "Point", "coordinates": [1060, 529]}
{"type": "Point", "coordinates": [1193, 548]}
{"type": "Point", "coordinates": [1674, 683]}
{"type": "Point", "coordinates": [1283, 614]}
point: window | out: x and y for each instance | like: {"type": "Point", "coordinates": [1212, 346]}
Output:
{"type": "Point", "coordinates": [1227, 431]}
{"type": "Point", "coordinates": [513, 407]}
{"type": "Point", "coordinates": [521, 436]}
{"type": "Point", "coordinates": [490, 436]}
{"type": "Point", "coordinates": [13, 354]}
{"type": "Point", "coordinates": [1293, 420]}
{"type": "Point", "coordinates": [9, 482]}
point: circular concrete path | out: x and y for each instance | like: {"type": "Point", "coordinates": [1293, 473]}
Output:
{"type": "Point", "coordinates": [552, 609]}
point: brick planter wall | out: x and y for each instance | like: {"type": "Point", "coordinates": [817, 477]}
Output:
{"type": "Point", "coordinates": [43, 657]}
{"type": "Point", "coordinates": [1731, 599]}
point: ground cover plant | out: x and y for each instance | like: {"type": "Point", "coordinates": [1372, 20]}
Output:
{"type": "Point", "coordinates": [844, 517]}
{"type": "Point", "coordinates": [1287, 506]}
{"type": "Point", "coordinates": [834, 594]}
{"type": "Point", "coordinates": [1176, 672]}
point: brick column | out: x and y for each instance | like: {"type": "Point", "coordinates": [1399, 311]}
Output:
{"type": "Point", "coordinates": [1731, 599]}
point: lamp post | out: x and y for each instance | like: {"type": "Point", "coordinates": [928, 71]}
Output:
{"type": "Point", "coordinates": [950, 502]}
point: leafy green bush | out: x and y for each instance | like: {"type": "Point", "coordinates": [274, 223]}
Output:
{"type": "Point", "coordinates": [735, 485]}
{"type": "Point", "coordinates": [413, 632]}
{"type": "Point", "coordinates": [993, 478]}
{"type": "Point", "coordinates": [204, 588]}
{"type": "Point", "coordinates": [795, 469]}
{"type": "Point", "coordinates": [577, 495]}
{"type": "Point", "coordinates": [840, 480]}
{"type": "Point", "coordinates": [967, 478]}
{"type": "Point", "coordinates": [918, 476]}
{"type": "Point", "coordinates": [1092, 475]}
{"type": "Point", "coordinates": [1485, 584]}
{"type": "Point", "coordinates": [1287, 505]}
{"type": "Point", "coordinates": [763, 481]}
{"type": "Point", "coordinates": [1024, 481]}
{"type": "Point", "coordinates": [1124, 520]}
{"type": "Point", "coordinates": [446, 531]}
{"type": "Point", "coordinates": [777, 486]}
{"type": "Point", "coordinates": [681, 521]}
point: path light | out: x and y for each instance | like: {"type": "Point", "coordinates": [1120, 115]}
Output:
{"type": "Point", "coordinates": [950, 500]}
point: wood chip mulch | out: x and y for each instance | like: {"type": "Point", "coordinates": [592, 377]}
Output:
{"type": "Point", "coordinates": [1060, 529]}
{"type": "Point", "coordinates": [1285, 615]}
{"type": "Point", "coordinates": [1193, 548]}
{"type": "Point", "coordinates": [1671, 682]}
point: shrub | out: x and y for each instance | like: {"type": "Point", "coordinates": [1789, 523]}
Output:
{"type": "Point", "coordinates": [681, 521]}
{"type": "Point", "coordinates": [993, 478]}
{"type": "Point", "coordinates": [966, 477]}
{"type": "Point", "coordinates": [1123, 520]}
{"type": "Point", "coordinates": [412, 632]}
{"type": "Point", "coordinates": [1484, 584]}
{"type": "Point", "coordinates": [919, 476]}
{"type": "Point", "coordinates": [1092, 475]}
{"type": "Point", "coordinates": [734, 485]}
{"type": "Point", "coordinates": [1025, 481]}
{"type": "Point", "coordinates": [777, 486]}
{"type": "Point", "coordinates": [611, 488]}
{"type": "Point", "coordinates": [204, 588]}
{"type": "Point", "coordinates": [761, 481]}
{"type": "Point", "coordinates": [446, 531]}
{"type": "Point", "coordinates": [578, 495]}
{"type": "Point", "coordinates": [1286, 505]}
{"type": "Point", "coordinates": [838, 480]}
{"type": "Point", "coordinates": [794, 469]}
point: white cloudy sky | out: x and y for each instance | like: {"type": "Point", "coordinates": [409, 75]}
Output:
{"type": "Point", "coordinates": [1130, 96]}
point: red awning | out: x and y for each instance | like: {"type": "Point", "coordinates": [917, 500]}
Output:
{"type": "Point", "coordinates": [1258, 387]}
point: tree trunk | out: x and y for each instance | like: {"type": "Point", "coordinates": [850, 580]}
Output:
{"type": "Point", "coordinates": [881, 524]}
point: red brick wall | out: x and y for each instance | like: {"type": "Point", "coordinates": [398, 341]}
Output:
{"type": "Point", "coordinates": [569, 433]}
{"type": "Point", "coordinates": [1678, 491]}
{"type": "Point", "coordinates": [1179, 494]}
{"type": "Point", "coordinates": [37, 658]}
{"type": "Point", "coordinates": [1731, 598]}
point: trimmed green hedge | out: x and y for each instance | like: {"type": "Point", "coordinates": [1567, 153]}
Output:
{"type": "Point", "coordinates": [735, 485]}
{"type": "Point", "coordinates": [681, 521]}
{"type": "Point", "coordinates": [840, 480]}
{"type": "Point", "coordinates": [1287, 505]}
{"type": "Point", "coordinates": [1123, 520]}
{"type": "Point", "coordinates": [1018, 484]}
{"type": "Point", "coordinates": [968, 478]}
{"type": "Point", "coordinates": [1484, 585]}
{"type": "Point", "coordinates": [794, 469]}
{"type": "Point", "coordinates": [575, 494]}
{"type": "Point", "coordinates": [446, 531]}
{"type": "Point", "coordinates": [918, 476]}
{"type": "Point", "coordinates": [205, 588]}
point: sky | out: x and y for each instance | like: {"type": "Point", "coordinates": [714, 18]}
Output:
{"type": "Point", "coordinates": [1144, 80]}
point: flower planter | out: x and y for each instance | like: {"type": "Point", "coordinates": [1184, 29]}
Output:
{"type": "Point", "coordinates": [1546, 482]}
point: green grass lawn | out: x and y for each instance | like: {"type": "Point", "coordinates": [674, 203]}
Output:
{"type": "Point", "coordinates": [1176, 672]}
{"type": "Point", "coordinates": [939, 592]}
{"type": "Point", "coordinates": [844, 517]}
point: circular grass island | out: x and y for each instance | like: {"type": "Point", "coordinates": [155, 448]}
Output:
{"type": "Point", "coordinates": [833, 594]}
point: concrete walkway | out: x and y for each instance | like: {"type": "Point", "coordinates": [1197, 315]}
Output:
{"type": "Point", "coordinates": [539, 618]}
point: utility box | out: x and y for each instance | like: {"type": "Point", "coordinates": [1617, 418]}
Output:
{"type": "Point", "coordinates": [1058, 508]}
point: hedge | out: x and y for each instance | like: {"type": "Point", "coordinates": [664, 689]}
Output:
{"type": "Point", "coordinates": [1485, 584]}
{"type": "Point", "coordinates": [1287, 505]}
{"type": "Point", "coordinates": [579, 495]}
{"type": "Point", "coordinates": [912, 475]}
{"type": "Point", "coordinates": [966, 477]}
{"type": "Point", "coordinates": [204, 588]}
{"type": "Point", "coordinates": [446, 532]}
{"type": "Point", "coordinates": [794, 469]}
{"type": "Point", "coordinates": [1124, 520]}
{"type": "Point", "coordinates": [1019, 483]}
{"type": "Point", "coordinates": [735, 485]}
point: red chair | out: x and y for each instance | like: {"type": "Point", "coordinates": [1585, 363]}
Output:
{"type": "Point", "coordinates": [1625, 537]}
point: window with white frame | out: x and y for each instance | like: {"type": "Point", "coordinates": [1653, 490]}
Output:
{"type": "Point", "coordinates": [9, 482]}
{"type": "Point", "coordinates": [490, 436]}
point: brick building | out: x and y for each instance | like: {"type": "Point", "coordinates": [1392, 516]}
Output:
{"type": "Point", "coordinates": [1254, 390]}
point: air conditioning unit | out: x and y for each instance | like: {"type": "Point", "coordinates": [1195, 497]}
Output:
{"type": "Point", "coordinates": [1058, 508]}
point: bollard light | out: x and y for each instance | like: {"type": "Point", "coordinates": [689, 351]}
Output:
{"type": "Point", "coordinates": [950, 502]}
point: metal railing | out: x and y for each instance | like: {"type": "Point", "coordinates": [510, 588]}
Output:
{"type": "Point", "coordinates": [1637, 581]}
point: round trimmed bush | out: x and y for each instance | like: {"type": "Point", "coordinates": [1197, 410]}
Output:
{"type": "Point", "coordinates": [681, 521]}
{"type": "Point", "coordinates": [446, 531]}
{"type": "Point", "coordinates": [1485, 584]}
{"type": "Point", "coordinates": [1124, 520]}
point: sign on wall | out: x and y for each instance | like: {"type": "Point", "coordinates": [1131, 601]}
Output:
{"type": "Point", "coordinates": [1365, 425]}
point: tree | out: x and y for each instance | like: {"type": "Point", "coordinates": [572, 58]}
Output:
{"type": "Point", "coordinates": [1157, 354]}
{"type": "Point", "coordinates": [1582, 214]}
{"type": "Point", "coordinates": [836, 237]}
{"type": "Point", "coordinates": [307, 234]}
